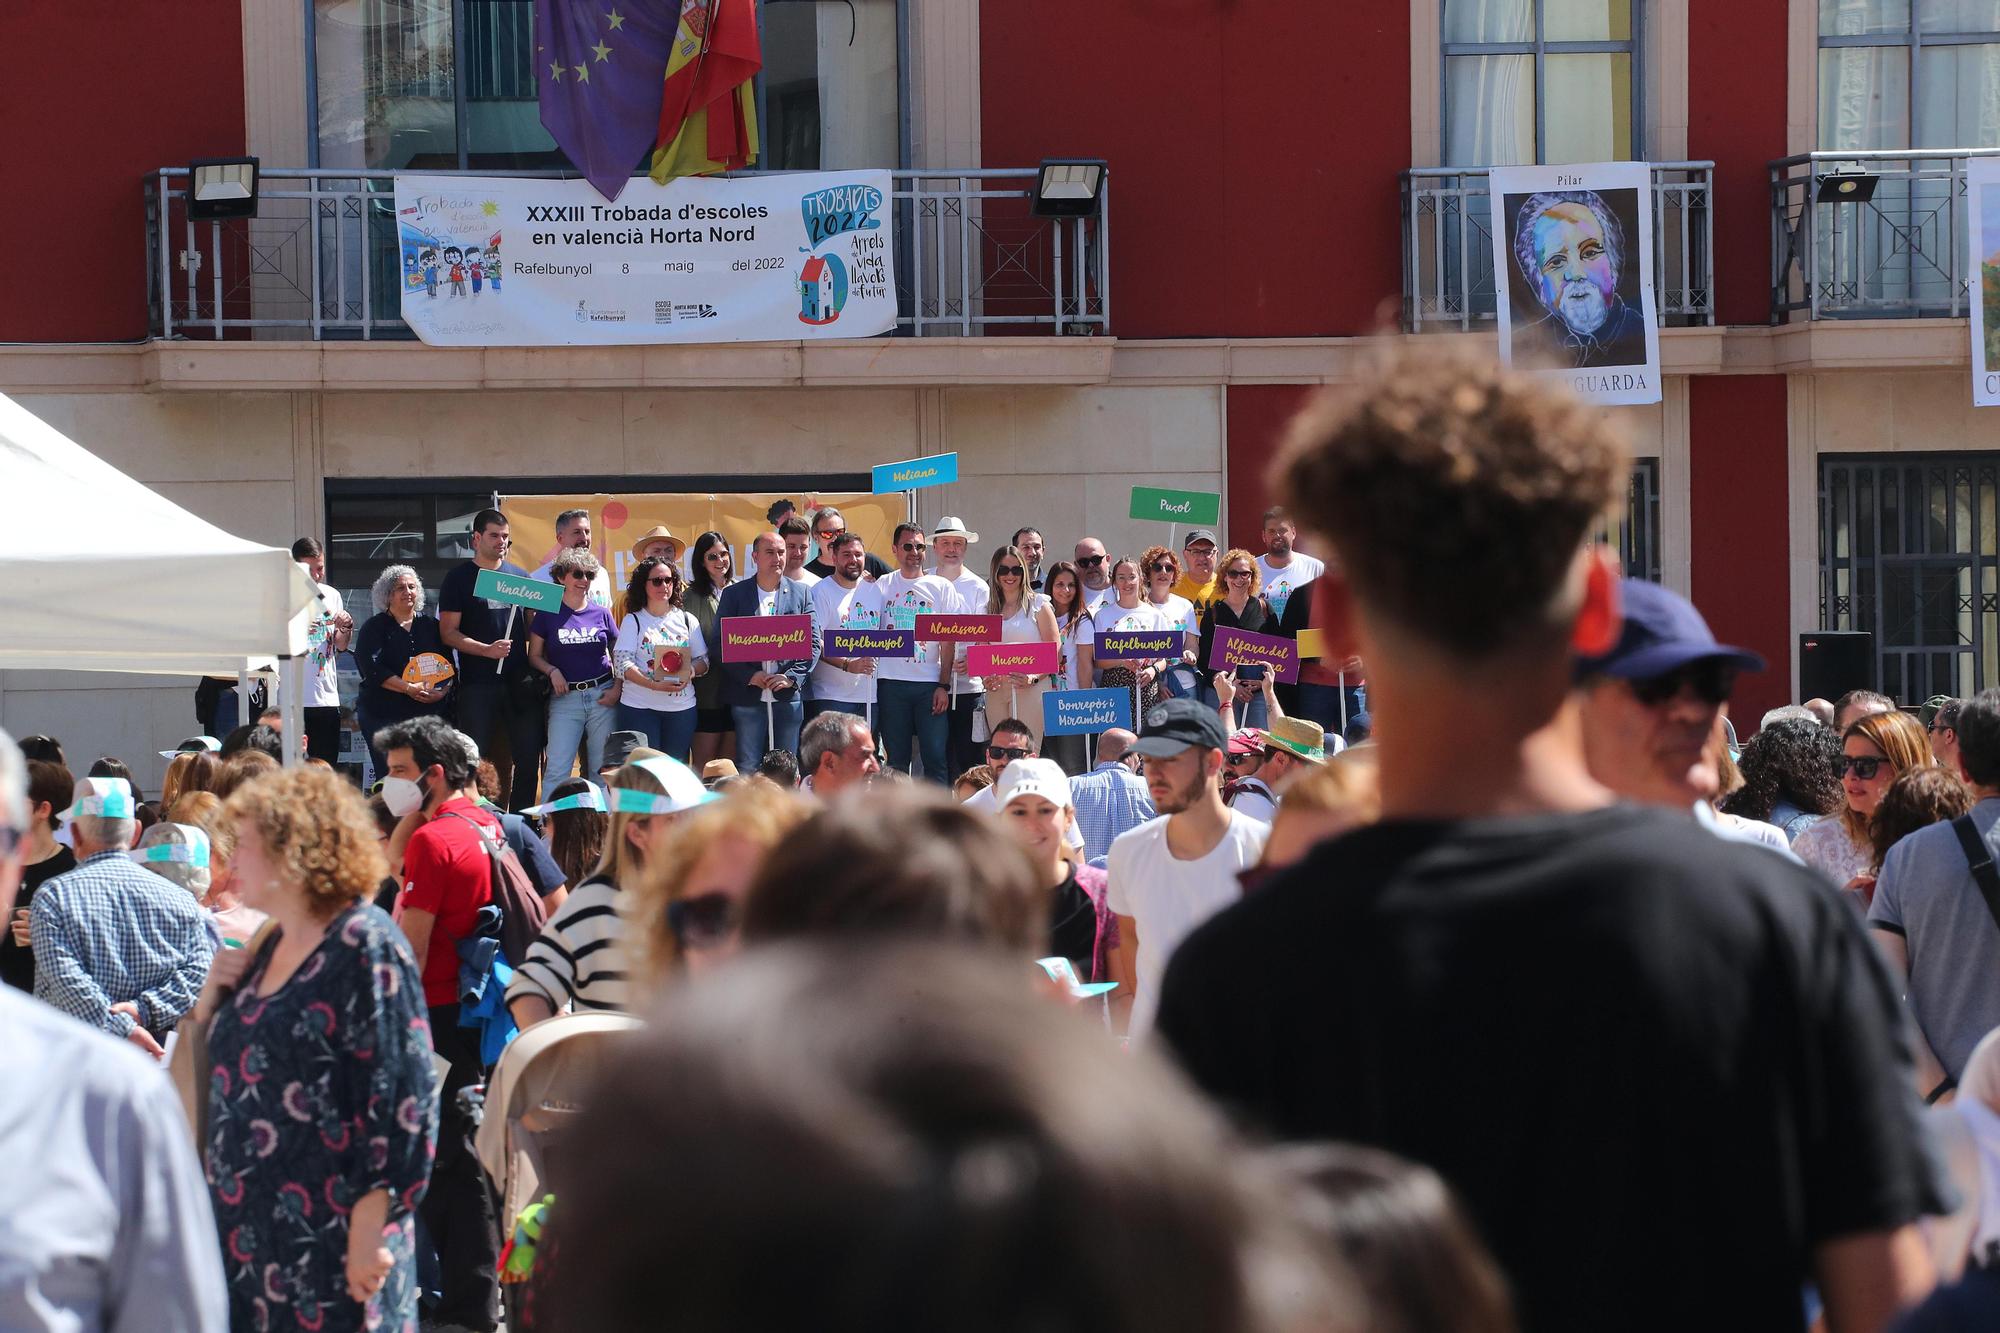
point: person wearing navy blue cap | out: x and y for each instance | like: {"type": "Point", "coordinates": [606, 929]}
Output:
{"type": "Point", "coordinates": [1652, 709]}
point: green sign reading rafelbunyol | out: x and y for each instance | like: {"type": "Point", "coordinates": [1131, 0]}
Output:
{"type": "Point", "coordinates": [517, 590]}
{"type": "Point", "coordinates": [1195, 508]}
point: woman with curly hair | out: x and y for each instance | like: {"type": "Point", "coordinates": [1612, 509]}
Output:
{"type": "Point", "coordinates": [321, 1115]}
{"type": "Point", "coordinates": [1791, 776]}
{"type": "Point", "coordinates": [1878, 749]}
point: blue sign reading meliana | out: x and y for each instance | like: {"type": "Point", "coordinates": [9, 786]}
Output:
{"type": "Point", "coordinates": [915, 473]}
{"type": "Point", "coordinates": [1085, 712]}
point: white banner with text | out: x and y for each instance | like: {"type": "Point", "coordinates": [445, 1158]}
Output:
{"type": "Point", "coordinates": [495, 261]}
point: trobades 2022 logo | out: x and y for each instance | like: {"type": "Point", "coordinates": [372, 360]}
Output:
{"type": "Point", "coordinates": [824, 283]}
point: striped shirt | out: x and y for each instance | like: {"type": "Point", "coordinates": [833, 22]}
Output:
{"type": "Point", "coordinates": [1109, 800]}
{"type": "Point", "coordinates": [109, 932]}
{"type": "Point", "coordinates": [580, 954]}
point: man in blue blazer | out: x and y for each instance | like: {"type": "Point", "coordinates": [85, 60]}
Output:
{"type": "Point", "coordinates": [766, 699]}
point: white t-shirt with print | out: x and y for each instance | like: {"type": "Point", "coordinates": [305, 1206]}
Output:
{"type": "Point", "coordinates": [1167, 897]}
{"type": "Point", "coordinates": [835, 607]}
{"type": "Point", "coordinates": [1180, 614]}
{"type": "Point", "coordinates": [903, 600]}
{"type": "Point", "coordinates": [973, 597]}
{"type": "Point", "coordinates": [1280, 581]}
{"type": "Point", "coordinates": [323, 689]}
{"type": "Point", "coordinates": [637, 634]}
{"type": "Point", "coordinates": [1112, 618]}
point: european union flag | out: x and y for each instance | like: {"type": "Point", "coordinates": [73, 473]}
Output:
{"type": "Point", "coordinates": [601, 66]}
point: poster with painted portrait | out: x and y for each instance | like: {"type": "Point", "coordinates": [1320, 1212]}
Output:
{"type": "Point", "coordinates": [1982, 188]}
{"type": "Point", "coordinates": [1573, 276]}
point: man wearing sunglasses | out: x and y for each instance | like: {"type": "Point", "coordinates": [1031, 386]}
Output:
{"type": "Point", "coordinates": [1095, 567]}
{"type": "Point", "coordinates": [828, 528]}
{"type": "Point", "coordinates": [1011, 740]}
{"type": "Point", "coordinates": [913, 694]}
{"type": "Point", "coordinates": [1652, 705]}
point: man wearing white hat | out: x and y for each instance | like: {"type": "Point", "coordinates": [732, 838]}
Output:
{"type": "Point", "coordinates": [948, 542]}
{"type": "Point", "coordinates": [120, 949]}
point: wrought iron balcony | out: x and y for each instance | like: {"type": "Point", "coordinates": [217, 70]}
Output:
{"type": "Point", "coordinates": [1890, 246]}
{"type": "Point", "coordinates": [320, 259]}
{"type": "Point", "coordinates": [1448, 246]}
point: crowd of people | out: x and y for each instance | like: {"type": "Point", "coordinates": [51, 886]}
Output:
{"type": "Point", "coordinates": [1505, 990]}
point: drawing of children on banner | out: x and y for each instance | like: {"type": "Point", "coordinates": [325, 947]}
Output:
{"type": "Point", "coordinates": [1573, 275]}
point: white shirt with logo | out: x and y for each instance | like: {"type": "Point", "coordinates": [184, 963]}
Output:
{"type": "Point", "coordinates": [323, 689]}
{"type": "Point", "coordinates": [1281, 580]}
{"type": "Point", "coordinates": [973, 598]}
{"type": "Point", "coordinates": [903, 600]}
{"type": "Point", "coordinates": [638, 634]}
{"type": "Point", "coordinates": [835, 607]}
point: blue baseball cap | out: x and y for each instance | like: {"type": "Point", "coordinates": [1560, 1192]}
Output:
{"type": "Point", "coordinates": [1662, 632]}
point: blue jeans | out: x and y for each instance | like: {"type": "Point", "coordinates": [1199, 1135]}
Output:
{"type": "Point", "coordinates": [576, 717]}
{"type": "Point", "coordinates": [669, 733]}
{"type": "Point", "coordinates": [754, 723]}
{"type": "Point", "coordinates": [902, 713]}
{"type": "Point", "coordinates": [1322, 704]}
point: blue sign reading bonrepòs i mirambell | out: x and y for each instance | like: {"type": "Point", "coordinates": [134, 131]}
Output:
{"type": "Point", "coordinates": [1085, 712]}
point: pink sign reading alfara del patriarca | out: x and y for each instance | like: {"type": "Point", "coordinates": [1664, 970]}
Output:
{"type": "Point", "coordinates": [766, 638]}
{"type": "Point", "coordinates": [1236, 648]}
{"type": "Point", "coordinates": [1012, 659]}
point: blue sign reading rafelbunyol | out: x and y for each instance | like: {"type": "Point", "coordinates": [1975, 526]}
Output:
{"type": "Point", "coordinates": [1085, 712]}
{"type": "Point", "coordinates": [916, 473]}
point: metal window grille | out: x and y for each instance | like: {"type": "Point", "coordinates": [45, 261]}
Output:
{"type": "Point", "coordinates": [1907, 552]}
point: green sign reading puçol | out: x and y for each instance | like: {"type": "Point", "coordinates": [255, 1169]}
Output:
{"type": "Point", "coordinates": [517, 590]}
{"type": "Point", "coordinates": [1194, 508]}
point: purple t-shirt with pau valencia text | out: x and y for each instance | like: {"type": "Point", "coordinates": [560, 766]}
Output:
{"type": "Point", "coordinates": [577, 643]}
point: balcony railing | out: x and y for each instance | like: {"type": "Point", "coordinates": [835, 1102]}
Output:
{"type": "Point", "coordinates": [1899, 254]}
{"type": "Point", "coordinates": [320, 260]}
{"type": "Point", "coordinates": [1448, 246]}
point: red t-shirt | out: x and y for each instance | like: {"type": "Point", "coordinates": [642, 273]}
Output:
{"type": "Point", "coordinates": [446, 873]}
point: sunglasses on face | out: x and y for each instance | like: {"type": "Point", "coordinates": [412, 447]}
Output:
{"type": "Point", "coordinates": [1010, 571]}
{"type": "Point", "coordinates": [1005, 753]}
{"type": "Point", "coordinates": [1864, 767]}
{"type": "Point", "coordinates": [1090, 560]}
{"type": "Point", "coordinates": [914, 546]}
{"type": "Point", "coordinates": [1711, 682]}
{"type": "Point", "coordinates": [828, 537]}
{"type": "Point", "coordinates": [702, 922]}
{"type": "Point", "coordinates": [662, 581]}
{"type": "Point", "coordinates": [577, 574]}
{"type": "Point", "coordinates": [1237, 574]}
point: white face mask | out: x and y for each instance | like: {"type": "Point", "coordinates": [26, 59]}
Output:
{"type": "Point", "coordinates": [402, 796]}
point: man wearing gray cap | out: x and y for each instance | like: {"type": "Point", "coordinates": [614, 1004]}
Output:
{"type": "Point", "coordinates": [108, 1224]}
{"type": "Point", "coordinates": [1171, 874]}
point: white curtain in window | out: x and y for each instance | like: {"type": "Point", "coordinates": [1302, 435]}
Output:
{"type": "Point", "coordinates": [857, 85]}
{"type": "Point", "coordinates": [1490, 101]}
{"type": "Point", "coordinates": [1589, 114]}
{"type": "Point", "coordinates": [1864, 97]}
{"type": "Point", "coordinates": [1958, 97]}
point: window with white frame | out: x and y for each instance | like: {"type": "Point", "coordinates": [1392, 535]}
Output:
{"type": "Point", "coordinates": [1541, 81]}
{"type": "Point", "coordinates": [1909, 74]}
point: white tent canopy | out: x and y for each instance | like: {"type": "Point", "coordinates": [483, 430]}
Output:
{"type": "Point", "coordinates": [99, 573]}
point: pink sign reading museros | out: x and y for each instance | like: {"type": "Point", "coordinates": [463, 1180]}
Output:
{"type": "Point", "coordinates": [1012, 659]}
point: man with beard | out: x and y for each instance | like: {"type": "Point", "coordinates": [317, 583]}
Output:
{"type": "Point", "coordinates": [1571, 249]}
{"type": "Point", "coordinates": [1172, 873]}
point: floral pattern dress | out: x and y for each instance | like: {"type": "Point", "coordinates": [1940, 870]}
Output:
{"type": "Point", "coordinates": [318, 1094]}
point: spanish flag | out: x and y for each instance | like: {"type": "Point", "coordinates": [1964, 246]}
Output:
{"type": "Point", "coordinates": [708, 114]}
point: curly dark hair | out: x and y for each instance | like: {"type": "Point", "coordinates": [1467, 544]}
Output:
{"type": "Point", "coordinates": [1793, 760]}
{"type": "Point", "coordinates": [1919, 798]}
